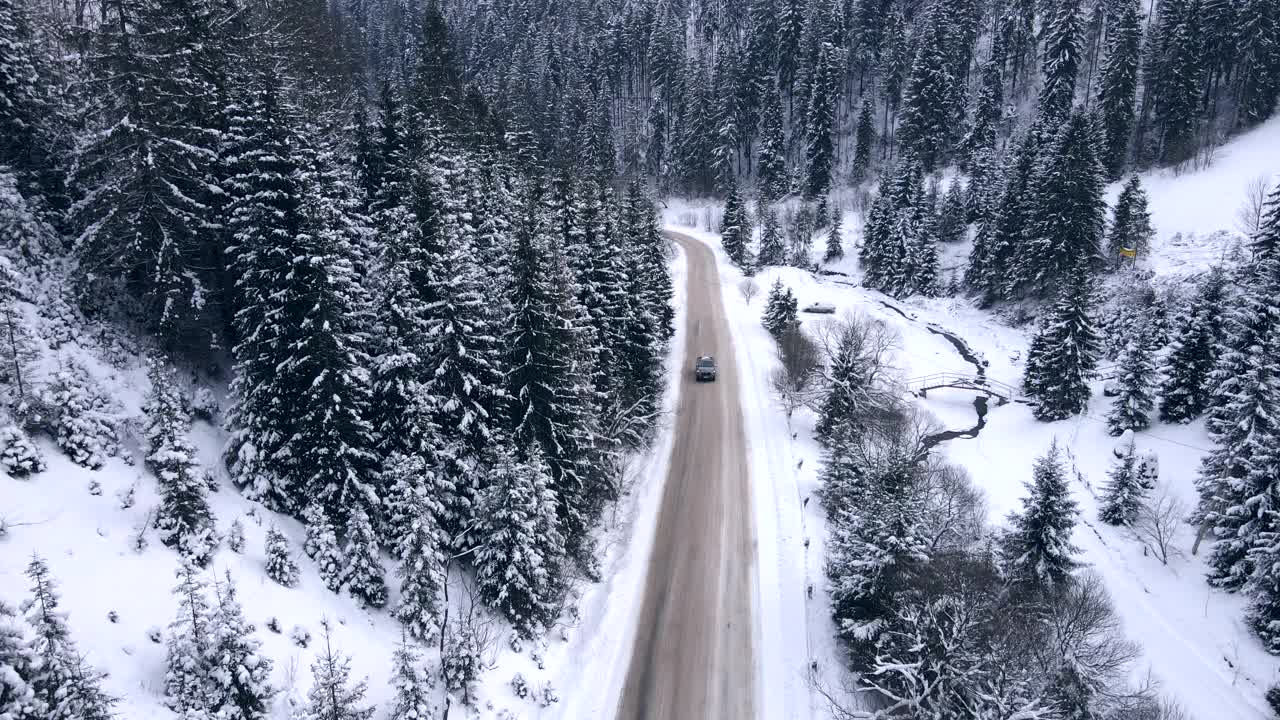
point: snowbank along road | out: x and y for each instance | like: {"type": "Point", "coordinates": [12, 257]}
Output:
{"type": "Point", "coordinates": [693, 657]}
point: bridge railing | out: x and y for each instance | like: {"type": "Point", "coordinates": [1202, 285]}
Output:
{"type": "Point", "coordinates": [980, 383]}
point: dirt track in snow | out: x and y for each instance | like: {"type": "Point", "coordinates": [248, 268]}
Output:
{"type": "Point", "coordinates": [693, 657]}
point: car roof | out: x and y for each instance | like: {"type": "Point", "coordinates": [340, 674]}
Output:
{"type": "Point", "coordinates": [706, 357]}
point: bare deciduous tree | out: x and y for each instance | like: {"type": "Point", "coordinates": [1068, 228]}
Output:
{"type": "Point", "coordinates": [954, 512]}
{"type": "Point", "coordinates": [1157, 524]}
{"type": "Point", "coordinates": [1249, 214]}
{"type": "Point", "coordinates": [749, 289]}
{"type": "Point", "coordinates": [796, 381]}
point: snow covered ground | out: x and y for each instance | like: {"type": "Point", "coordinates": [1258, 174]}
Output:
{"type": "Point", "coordinates": [1194, 211]}
{"type": "Point", "coordinates": [1194, 639]}
{"type": "Point", "coordinates": [87, 539]}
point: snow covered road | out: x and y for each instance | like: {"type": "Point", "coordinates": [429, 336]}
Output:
{"type": "Point", "coordinates": [694, 644]}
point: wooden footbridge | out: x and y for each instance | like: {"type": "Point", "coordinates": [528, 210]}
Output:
{"type": "Point", "coordinates": [1002, 392]}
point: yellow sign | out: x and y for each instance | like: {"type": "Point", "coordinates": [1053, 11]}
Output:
{"type": "Point", "coordinates": [1129, 252]}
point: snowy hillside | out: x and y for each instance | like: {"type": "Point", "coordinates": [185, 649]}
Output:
{"type": "Point", "coordinates": [1194, 639]}
{"type": "Point", "coordinates": [119, 597]}
{"type": "Point", "coordinates": [1196, 212]}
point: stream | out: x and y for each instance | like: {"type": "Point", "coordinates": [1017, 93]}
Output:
{"type": "Point", "coordinates": [962, 348]}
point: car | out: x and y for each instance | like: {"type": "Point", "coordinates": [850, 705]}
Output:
{"type": "Point", "coordinates": [704, 368]}
{"type": "Point", "coordinates": [820, 308]}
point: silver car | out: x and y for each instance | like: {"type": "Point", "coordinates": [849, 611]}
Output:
{"type": "Point", "coordinates": [705, 368]}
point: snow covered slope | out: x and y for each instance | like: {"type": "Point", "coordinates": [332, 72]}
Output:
{"type": "Point", "coordinates": [1193, 637]}
{"type": "Point", "coordinates": [119, 599]}
{"type": "Point", "coordinates": [1194, 211]}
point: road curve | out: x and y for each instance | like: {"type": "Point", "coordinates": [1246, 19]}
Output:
{"type": "Point", "coordinates": [693, 657]}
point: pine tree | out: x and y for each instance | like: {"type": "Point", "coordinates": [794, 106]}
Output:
{"type": "Point", "coordinates": [1184, 386]}
{"type": "Point", "coordinates": [413, 688]}
{"type": "Point", "coordinates": [184, 518]}
{"type": "Point", "coordinates": [930, 99]}
{"type": "Point", "coordinates": [1122, 494]}
{"type": "Point", "coordinates": [1038, 550]}
{"type": "Point", "coordinates": [1065, 212]}
{"type": "Point", "coordinates": [239, 672]}
{"type": "Point", "coordinates": [65, 687]}
{"type": "Point", "coordinates": [773, 249]}
{"type": "Point", "coordinates": [517, 565]}
{"type": "Point", "coordinates": [422, 567]}
{"type": "Point", "coordinates": [332, 696]}
{"type": "Point", "coordinates": [864, 138]}
{"type": "Point", "coordinates": [851, 375]}
{"type": "Point", "coordinates": [835, 249]}
{"type": "Point", "coordinates": [771, 161]}
{"type": "Point", "coordinates": [29, 117]}
{"type": "Point", "coordinates": [735, 232]}
{"type": "Point", "coordinates": [1063, 355]}
{"type": "Point", "coordinates": [1119, 85]}
{"type": "Point", "coordinates": [640, 225]}
{"type": "Point", "coordinates": [1131, 409]}
{"type": "Point", "coordinates": [364, 574]}
{"type": "Point", "coordinates": [235, 537]}
{"type": "Point", "coordinates": [1130, 222]}
{"type": "Point", "coordinates": [281, 566]}
{"type": "Point", "coordinates": [187, 686]}
{"type": "Point", "coordinates": [17, 665]}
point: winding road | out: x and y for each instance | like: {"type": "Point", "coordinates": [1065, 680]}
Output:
{"type": "Point", "coordinates": [693, 657]}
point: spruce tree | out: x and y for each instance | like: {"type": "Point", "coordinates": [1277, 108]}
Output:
{"type": "Point", "coordinates": [851, 376]}
{"type": "Point", "coordinates": [322, 545]}
{"type": "Point", "coordinates": [1038, 552]}
{"type": "Point", "coordinates": [64, 686]}
{"type": "Point", "coordinates": [952, 220]}
{"type": "Point", "coordinates": [187, 685]}
{"type": "Point", "coordinates": [1119, 85]}
{"type": "Point", "coordinates": [820, 122]}
{"type": "Point", "coordinates": [1130, 223]}
{"type": "Point", "coordinates": [184, 518]}
{"type": "Point", "coordinates": [735, 232]}
{"type": "Point", "coordinates": [1237, 478]}
{"type": "Point", "coordinates": [1065, 217]}
{"type": "Point", "coordinates": [422, 566]}
{"type": "Point", "coordinates": [1258, 35]}
{"type": "Point", "coordinates": [988, 111]}
{"type": "Point", "coordinates": [17, 664]}
{"type": "Point", "coordinates": [1131, 409]}
{"type": "Point", "coordinates": [781, 310]}
{"type": "Point", "coordinates": [999, 239]}
{"type": "Point", "coordinates": [332, 695]}
{"type": "Point", "coordinates": [1123, 492]}
{"type": "Point", "coordinates": [148, 165]}
{"type": "Point", "coordinates": [771, 160]}
{"type": "Point", "coordinates": [1193, 353]}
{"type": "Point", "coordinates": [930, 97]}
{"type": "Point", "coordinates": [835, 248]}
{"type": "Point", "coordinates": [542, 382]}
{"type": "Point", "coordinates": [1063, 49]}
{"type": "Point", "coordinates": [864, 139]}
{"type": "Point", "coordinates": [363, 574]}
{"type": "Point", "coordinates": [413, 687]}
{"type": "Point", "coordinates": [281, 566]}
{"type": "Point", "coordinates": [239, 671]}
{"type": "Point", "coordinates": [773, 249]}
{"type": "Point", "coordinates": [28, 113]}
{"type": "Point", "coordinates": [517, 563]}
{"type": "Point", "coordinates": [264, 214]}
{"type": "Point", "coordinates": [1063, 355]}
